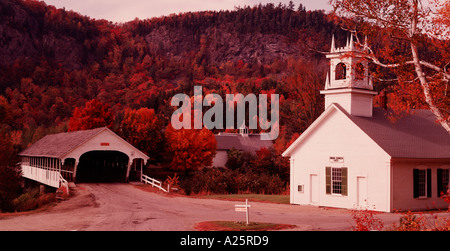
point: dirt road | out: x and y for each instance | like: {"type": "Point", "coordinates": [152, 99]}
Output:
{"type": "Point", "coordinates": [125, 207]}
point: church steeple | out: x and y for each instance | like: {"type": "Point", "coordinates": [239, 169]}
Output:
{"type": "Point", "coordinates": [348, 67]}
{"type": "Point", "coordinates": [349, 83]}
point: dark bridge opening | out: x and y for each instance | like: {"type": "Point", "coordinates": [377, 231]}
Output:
{"type": "Point", "coordinates": [102, 166]}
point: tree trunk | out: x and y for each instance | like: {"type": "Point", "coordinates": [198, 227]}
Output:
{"type": "Point", "coordinates": [421, 75]}
{"type": "Point", "coordinates": [426, 89]}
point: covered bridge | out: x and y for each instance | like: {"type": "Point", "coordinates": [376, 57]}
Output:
{"type": "Point", "coordinates": [82, 156]}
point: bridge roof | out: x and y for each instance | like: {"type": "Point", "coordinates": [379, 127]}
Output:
{"type": "Point", "coordinates": [59, 145]}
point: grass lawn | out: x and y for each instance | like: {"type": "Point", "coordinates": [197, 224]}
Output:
{"type": "Point", "coordinates": [239, 226]}
{"type": "Point", "coordinates": [280, 199]}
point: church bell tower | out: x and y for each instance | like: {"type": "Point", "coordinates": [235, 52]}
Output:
{"type": "Point", "coordinates": [349, 83]}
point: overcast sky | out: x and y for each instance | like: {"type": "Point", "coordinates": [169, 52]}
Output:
{"type": "Point", "coordinates": [126, 10]}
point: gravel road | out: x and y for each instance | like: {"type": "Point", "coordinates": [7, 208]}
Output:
{"type": "Point", "coordinates": [124, 207]}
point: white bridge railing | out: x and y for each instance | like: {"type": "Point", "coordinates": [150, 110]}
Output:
{"type": "Point", "coordinates": [155, 183]}
{"type": "Point", "coordinates": [44, 176]}
{"type": "Point", "coordinates": [64, 184]}
{"type": "Point", "coordinates": [48, 177]}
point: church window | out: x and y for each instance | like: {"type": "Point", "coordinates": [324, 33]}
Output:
{"type": "Point", "coordinates": [443, 181]}
{"type": "Point", "coordinates": [336, 180]}
{"type": "Point", "coordinates": [359, 70]}
{"type": "Point", "coordinates": [422, 183]}
{"type": "Point", "coordinates": [341, 71]}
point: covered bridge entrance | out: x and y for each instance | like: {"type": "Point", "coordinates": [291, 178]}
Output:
{"type": "Point", "coordinates": [97, 155]}
{"type": "Point", "coordinates": [102, 166]}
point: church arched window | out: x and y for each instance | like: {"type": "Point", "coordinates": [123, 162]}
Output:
{"type": "Point", "coordinates": [359, 71]}
{"type": "Point", "coordinates": [341, 71]}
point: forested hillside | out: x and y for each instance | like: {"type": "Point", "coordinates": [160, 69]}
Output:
{"type": "Point", "coordinates": [53, 60]}
{"type": "Point", "coordinates": [55, 63]}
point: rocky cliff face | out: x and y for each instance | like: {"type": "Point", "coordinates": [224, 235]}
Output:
{"type": "Point", "coordinates": [34, 30]}
{"type": "Point", "coordinates": [28, 33]}
{"type": "Point", "coordinates": [222, 45]}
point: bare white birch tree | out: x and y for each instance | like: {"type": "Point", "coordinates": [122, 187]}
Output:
{"type": "Point", "coordinates": [408, 21]}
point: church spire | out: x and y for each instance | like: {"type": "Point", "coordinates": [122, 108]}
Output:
{"type": "Point", "coordinates": [348, 82]}
{"type": "Point", "coordinates": [327, 81]}
{"type": "Point", "coordinates": [333, 45]}
{"type": "Point", "coordinates": [351, 42]}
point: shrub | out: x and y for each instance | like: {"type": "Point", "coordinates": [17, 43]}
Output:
{"type": "Point", "coordinates": [261, 183]}
{"type": "Point", "coordinates": [32, 200]}
{"type": "Point", "coordinates": [225, 181]}
{"type": "Point", "coordinates": [26, 201]}
{"type": "Point", "coordinates": [210, 180]}
{"type": "Point", "coordinates": [10, 188]}
{"type": "Point", "coordinates": [409, 221]}
{"type": "Point", "coordinates": [418, 222]}
{"type": "Point", "coordinates": [366, 221]}
{"type": "Point", "coordinates": [239, 160]}
{"type": "Point", "coordinates": [172, 182]}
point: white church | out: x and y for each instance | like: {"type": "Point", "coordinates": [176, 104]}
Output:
{"type": "Point", "coordinates": [353, 156]}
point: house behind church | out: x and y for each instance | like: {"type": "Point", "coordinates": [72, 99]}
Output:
{"type": "Point", "coordinates": [243, 141]}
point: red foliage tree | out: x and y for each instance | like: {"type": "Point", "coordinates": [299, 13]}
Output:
{"type": "Point", "coordinates": [191, 149]}
{"type": "Point", "coordinates": [95, 114]}
{"type": "Point", "coordinates": [142, 129]}
{"type": "Point", "coordinates": [5, 111]}
{"type": "Point", "coordinates": [10, 178]}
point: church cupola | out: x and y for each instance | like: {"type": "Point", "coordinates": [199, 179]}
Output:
{"type": "Point", "coordinates": [243, 130]}
{"type": "Point", "coordinates": [349, 83]}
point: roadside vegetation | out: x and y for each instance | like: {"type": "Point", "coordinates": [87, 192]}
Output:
{"type": "Point", "coordinates": [240, 226]}
{"type": "Point", "coordinates": [367, 220]}
{"type": "Point", "coordinates": [260, 173]}
{"type": "Point", "coordinates": [270, 198]}
{"type": "Point", "coordinates": [33, 199]}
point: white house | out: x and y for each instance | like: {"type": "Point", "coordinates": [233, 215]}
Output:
{"type": "Point", "coordinates": [353, 156]}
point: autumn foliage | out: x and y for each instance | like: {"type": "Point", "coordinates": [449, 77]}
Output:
{"type": "Point", "coordinates": [62, 71]}
{"type": "Point", "coordinates": [112, 68]}
{"type": "Point", "coordinates": [94, 115]}
{"type": "Point", "coordinates": [142, 129]}
{"type": "Point", "coordinates": [190, 149]}
{"type": "Point", "coordinates": [10, 174]}
{"type": "Point", "coordinates": [408, 47]}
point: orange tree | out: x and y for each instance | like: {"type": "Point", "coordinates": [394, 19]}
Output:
{"type": "Point", "coordinates": [414, 47]}
{"type": "Point", "coordinates": [95, 114]}
{"type": "Point", "coordinates": [190, 149]}
{"type": "Point", "coordinates": [142, 129]}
